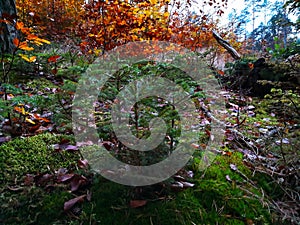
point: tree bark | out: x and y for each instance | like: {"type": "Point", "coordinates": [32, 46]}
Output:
{"type": "Point", "coordinates": [8, 15]}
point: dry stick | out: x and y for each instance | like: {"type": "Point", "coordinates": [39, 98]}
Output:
{"type": "Point", "coordinates": [236, 132]}
{"type": "Point", "coordinates": [226, 45]}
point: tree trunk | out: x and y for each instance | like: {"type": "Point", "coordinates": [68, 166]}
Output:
{"type": "Point", "coordinates": [8, 15]}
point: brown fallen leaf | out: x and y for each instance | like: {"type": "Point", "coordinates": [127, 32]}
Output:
{"type": "Point", "coordinates": [64, 177]}
{"type": "Point", "coordinates": [83, 163]}
{"type": "Point", "coordinates": [137, 203]}
{"type": "Point", "coordinates": [69, 204]}
{"type": "Point", "coordinates": [77, 181]}
{"type": "Point", "coordinates": [29, 179]}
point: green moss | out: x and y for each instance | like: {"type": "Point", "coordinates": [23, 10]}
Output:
{"type": "Point", "coordinates": [40, 84]}
{"type": "Point", "coordinates": [213, 200]}
{"type": "Point", "coordinates": [33, 155]}
{"type": "Point", "coordinates": [33, 206]}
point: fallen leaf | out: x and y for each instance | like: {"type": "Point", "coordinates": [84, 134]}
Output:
{"type": "Point", "coordinates": [71, 148]}
{"type": "Point", "coordinates": [83, 163]}
{"type": "Point", "coordinates": [42, 179]}
{"type": "Point", "coordinates": [187, 184]}
{"type": "Point", "coordinates": [282, 141]}
{"type": "Point", "coordinates": [77, 181]}
{"type": "Point", "coordinates": [196, 146]}
{"type": "Point", "coordinates": [179, 178]}
{"type": "Point", "coordinates": [69, 204]}
{"type": "Point", "coordinates": [4, 139]}
{"type": "Point", "coordinates": [228, 178]}
{"type": "Point", "coordinates": [89, 195]}
{"type": "Point", "coordinates": [65, 177]}
{"type": "Point", "coordinates": [20, 110]}
{"type": "Point", "coordinates": [61, 171]}
{"type": "Point", "coordinates": [29, 121]}
{"type": "Point", "coordinates": [190, 174]}
{"type": "Point", "coordinates": [137, 203]}
{"type": "Point", "coordinates": [29, 179]}
{"type": "Point", "coordinates": [233, 167]}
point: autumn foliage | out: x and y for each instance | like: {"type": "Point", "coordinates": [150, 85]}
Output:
{"type": "Point", "coordinates": [106, 24]}
{"type": "Point", "coordinates": [53, 19]}
{"type": "Point", "coordinates": [102, 25]}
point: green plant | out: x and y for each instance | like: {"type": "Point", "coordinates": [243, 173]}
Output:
{"type": "Point", "coordinates": [144, 110]}
{"type": "Point", "coordinates": [284, 103]}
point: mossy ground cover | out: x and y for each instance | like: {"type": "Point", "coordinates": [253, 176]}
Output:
{"type": "Point", "coordinates": [213, 200]}
{"type": "Point", "coordinates": [227, 192]}
{"type": "Point", "coordinates": [220, 195]}
{"type": "Point", "coordinates": [27, 204]}
{"type": "Point", "coordinates": [31, 155]}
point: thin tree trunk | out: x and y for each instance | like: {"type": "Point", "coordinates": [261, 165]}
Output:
{"type": "Point", "coordinates": [8, 15]}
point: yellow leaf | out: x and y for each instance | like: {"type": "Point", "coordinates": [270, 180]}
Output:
{"type": "Point", "coordinates": [44, 41]}
{"type": "Point", "coordinates": [97, 52]}
{"type": "Point", "coordinates": [23, 45]}
{"type": "Point", "coordinates": [28, 59]}
{"type": "Point", "coordinates": [166, 14]}
{"type": "Point", "coordinates": [23, 111]}
{"type": "Point", "coordinates": [40, 41]}
{"type": "Point", "coordinates": [153, 2]}
{"type": "Point", "coordinates": [29, 121]}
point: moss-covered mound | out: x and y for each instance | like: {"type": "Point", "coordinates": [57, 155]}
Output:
{"type": "Point", "coordinates": [32, 156]}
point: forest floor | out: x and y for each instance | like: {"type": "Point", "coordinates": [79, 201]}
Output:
{"type": "Point", "coordinates": [254, 178]}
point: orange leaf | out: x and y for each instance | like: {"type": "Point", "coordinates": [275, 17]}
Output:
{"type": "Point", "coordinates": [53, 58]}
{"type": "Point", "coordinates": [221, 72]}
{"type": "Point", "coordinates": [23, 45]}
{"type": "Point", "coordinates": [195, 146]}
{"type": "Point", "coordinates": [32, 37]}
{"type": "Point", "coordinates": [37, 117]}
{"type": "Point", "coordinates": [16, 42]}
{"type": "Point", "coordinates": [4, 21]}
{"type": "Point", "coordinates": [19, 25]}
{"type": "Point", "coordinates": [20, 110]}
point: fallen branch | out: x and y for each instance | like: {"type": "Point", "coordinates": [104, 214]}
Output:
{"type": "Point", "coordinates": [226, 45]}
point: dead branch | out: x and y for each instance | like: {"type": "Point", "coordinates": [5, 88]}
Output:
{"type": "Point", "coordinates": [226, 45]}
